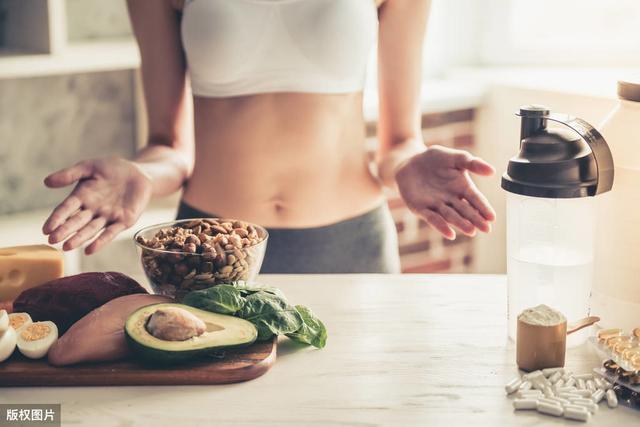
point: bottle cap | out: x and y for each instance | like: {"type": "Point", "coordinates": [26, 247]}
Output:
{"type": "Point", "coordinates": [629, 89]}
{"type": "Point", "coordinates": [558, 163]}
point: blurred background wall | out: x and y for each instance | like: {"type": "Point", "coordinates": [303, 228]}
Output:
{"type": "Point", "coordinates": [69, 90]}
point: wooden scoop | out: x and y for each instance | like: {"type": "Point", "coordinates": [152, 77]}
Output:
{"type": "Point", "coordinates": [539, 347]}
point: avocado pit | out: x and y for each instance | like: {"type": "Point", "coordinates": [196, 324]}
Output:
{"type": "Point", "coordinates": [174, 324]}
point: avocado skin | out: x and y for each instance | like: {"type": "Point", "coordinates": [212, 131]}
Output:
{"type": "Point", "coordinates": [168, 358]}
{"type": "Point", "coordinates": [172, 357]}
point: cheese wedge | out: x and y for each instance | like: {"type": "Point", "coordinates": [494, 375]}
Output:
{"type": "Point", "coordinates": [23, 267]}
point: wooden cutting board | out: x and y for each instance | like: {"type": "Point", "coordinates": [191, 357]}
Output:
{"type": "Point", "coordinates": [237, 365]}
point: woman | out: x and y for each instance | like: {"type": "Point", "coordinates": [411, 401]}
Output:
{"type": "Point", "coordinates": [279, 135]}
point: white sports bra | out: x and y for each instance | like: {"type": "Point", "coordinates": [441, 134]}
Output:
{"type": "Point", "coordinates": [242, 47]}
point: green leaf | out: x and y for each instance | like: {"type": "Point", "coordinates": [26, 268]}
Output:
{"type": "Point", "coordinates": [312, 331]}
{"type": "Point", "coordinates": [271, 314]}
{"type": "Point", "coordinates": [223, 299]}
{"type": "Point", "coordinates": [248, 289]}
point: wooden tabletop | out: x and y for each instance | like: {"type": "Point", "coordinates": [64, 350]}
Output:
{"type": "Point", "coordinates": [424, 350]}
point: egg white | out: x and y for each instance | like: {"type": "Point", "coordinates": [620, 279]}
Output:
{"type": "Point", "coordinates": [4, 321]}
{"type": "Point", "coordinates": [8, 341]}
{"type": "Point", "coordinates": [25, 324]}
{"type": "Point", "coordinates": [38, 348]}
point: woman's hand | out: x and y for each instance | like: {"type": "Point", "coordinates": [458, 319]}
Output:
{"type": "Point", "coordinates": [435, 185]}
{"type": "Point", "coordinates": [109, 196]}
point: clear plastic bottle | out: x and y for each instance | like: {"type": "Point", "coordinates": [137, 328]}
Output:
{"type": "Point", "coordinates": [616, 289]}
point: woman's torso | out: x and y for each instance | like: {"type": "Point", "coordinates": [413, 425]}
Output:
{"type": "Point", "coordinates": [284, 156]}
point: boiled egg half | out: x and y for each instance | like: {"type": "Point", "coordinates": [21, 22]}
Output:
{"type": "Point", "coordinates": [34, 340]}
{"type": "Point", "coordinates": [7, 343]}
{"type": "Point", "coordinates": [4, 321]}
{"type": "Point", "coordinates": [19, 321]}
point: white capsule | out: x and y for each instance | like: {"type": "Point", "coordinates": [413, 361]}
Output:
{"type": "Point", "coordinates": [582, 393]}
{"type": "Point", "coordinates": [571, 382]}
{"type": "Point", "coordinates": [539, 383]}
{"type": "Point", "coordinates": [526, 385]}
{"type": "Point", "coordinates": [591, 386]}
{"type": "Point", "coordinates": [600, 383]}
{"type": "Point", "coordinates": [550, 371]}
{"type": "Point", "coordinates": [533, 374]}
{"type": "Point", "coordinates": [605, 385]}
{"type": "Point", "coordinates": [525, 404]}
{"type": "Point", "coordinates": [565, 389]}
{"type": "Point", "coordinates": [569, 396]}
{"type": "Point", "coordinates": [612, 399]}
{"type": "Point", "coordinates": [529, 394]}
{"type": "Point", "coordinates": [555, 377]}
{"type": "Point", "coordinates": [597, 396]}
{"type": "Point", "coordinates": [576, 413]}
{"type": "Point", "coordinates": [548, 392]}
{"type": "Point", "coordinates": [549, 400]}
{"type": "Point", "coordinates": [513, 385]}
{"type": "Point", "coordinates": [549, 408]}
{"type": "Point", "coordinates": [566, 375]}
{"type": "Point", "coordinates": [587, 403]}
{"type": "Point", "coordinates": [559, 383]}
{"type": "Point", "coordinates": [583, 376]}
{"type": "Point", "coordinates": [560, 400]}
{"type": "Point", "coordinates": [580, 384]}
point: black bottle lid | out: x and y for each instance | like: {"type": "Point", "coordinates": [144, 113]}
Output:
{"type": "Point", "coordinates": [558, 163]}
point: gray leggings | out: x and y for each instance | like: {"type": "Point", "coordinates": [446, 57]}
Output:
{"type": "Point", "coordinates": [367, 243]}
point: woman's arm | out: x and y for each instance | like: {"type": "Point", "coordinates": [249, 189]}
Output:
{"type": "Point", "coordinates": [111, 193]}
{"type": "Point", "coordinates": [434, 182]}
{"type": "Point", "coordinates": [168, 158]}
{"type": "Point", "coordinates": [400, 37]}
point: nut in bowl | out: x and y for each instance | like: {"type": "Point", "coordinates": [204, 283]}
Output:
{"type": "Point", "coordinates": [187, 255]}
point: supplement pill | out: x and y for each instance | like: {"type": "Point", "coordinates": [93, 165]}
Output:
{"type": "Point", "coordinates": [550, 409]}
{"type": "Point", "coordinates": [555, 377]}
{"type": "Point", "coordinates": [548, 392]}
{"type": "Point", "coordinates": [569, 396]}
{"type": "Point", "coordinates": [583, 376]}
{"type": "Point", "coordinates": [587, 403]}
{"type": "Point", "coordinates": [532, 375]}
{"type": "Point", "coordinates": [582, 393]}
{"type": "Point", "coordinates": [513, 385]}
{"type": "Point", "coordinates": [576, 413]}
{"type": "Point", "coordinates": [580, 384]}
{"type": "Point", "coordinates": [530, 394]}
{"type": "Point", "coordinates": [591, 386]}
{"type": "Point", "coordinates": [571, 382]}
{"type": "Point", "coordinates": [525, 386]}
{"type": "Point", "coordinates": [597, 396]}
{"type": "Point", "coordinates": [550, 371]}
{"type": "Point", "coordinates": [525, 404]}
{"type": "Point", "coordinates": [559, 383]}
{"type": "Point", "coordinates": [560, 400]}
{"type": "Point", "coordinates": [612, 399]}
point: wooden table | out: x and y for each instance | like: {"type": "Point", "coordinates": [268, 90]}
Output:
{"type": "Point", "coordinates": [406, 350]}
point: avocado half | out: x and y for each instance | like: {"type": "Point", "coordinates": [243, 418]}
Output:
{"type": "Point", "coordinates": [222, 332]}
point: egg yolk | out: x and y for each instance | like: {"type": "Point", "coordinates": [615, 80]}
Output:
{"type": "Point", "coordinates": [35, 332]}
{"type": "Point", "coordinates": [17, 321]}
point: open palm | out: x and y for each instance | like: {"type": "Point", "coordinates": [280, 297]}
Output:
{"type": "Point", "coordinates": [108, 198]}
{"type": "Point", "coordinates": [436, 186]}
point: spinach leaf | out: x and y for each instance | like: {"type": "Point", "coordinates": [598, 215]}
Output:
{"type": "Point", "coordinates": [247, 289]}
{"type": "Point", "coordinates": [271, 314]}
{"type": "Point", "coordinates": [223, 299]}
{"type": "Point", "coordinates": [312, 332]}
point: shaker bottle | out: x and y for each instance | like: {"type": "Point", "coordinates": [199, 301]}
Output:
{"type": "Point", "coordinates": [551, 216]}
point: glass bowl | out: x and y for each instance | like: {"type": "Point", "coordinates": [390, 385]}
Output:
{"type": "Point", "coordinates": [182, 256]}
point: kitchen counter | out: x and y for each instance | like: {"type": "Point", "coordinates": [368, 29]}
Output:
{"type": "Point", "coordinates": [402, 350]}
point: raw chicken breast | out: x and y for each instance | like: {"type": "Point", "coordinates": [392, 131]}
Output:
{"type": "Point", "coordinates": [99, 336]}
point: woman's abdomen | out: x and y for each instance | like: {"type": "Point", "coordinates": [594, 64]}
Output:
{"type": "Point", "coordinates": [282, 160]}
